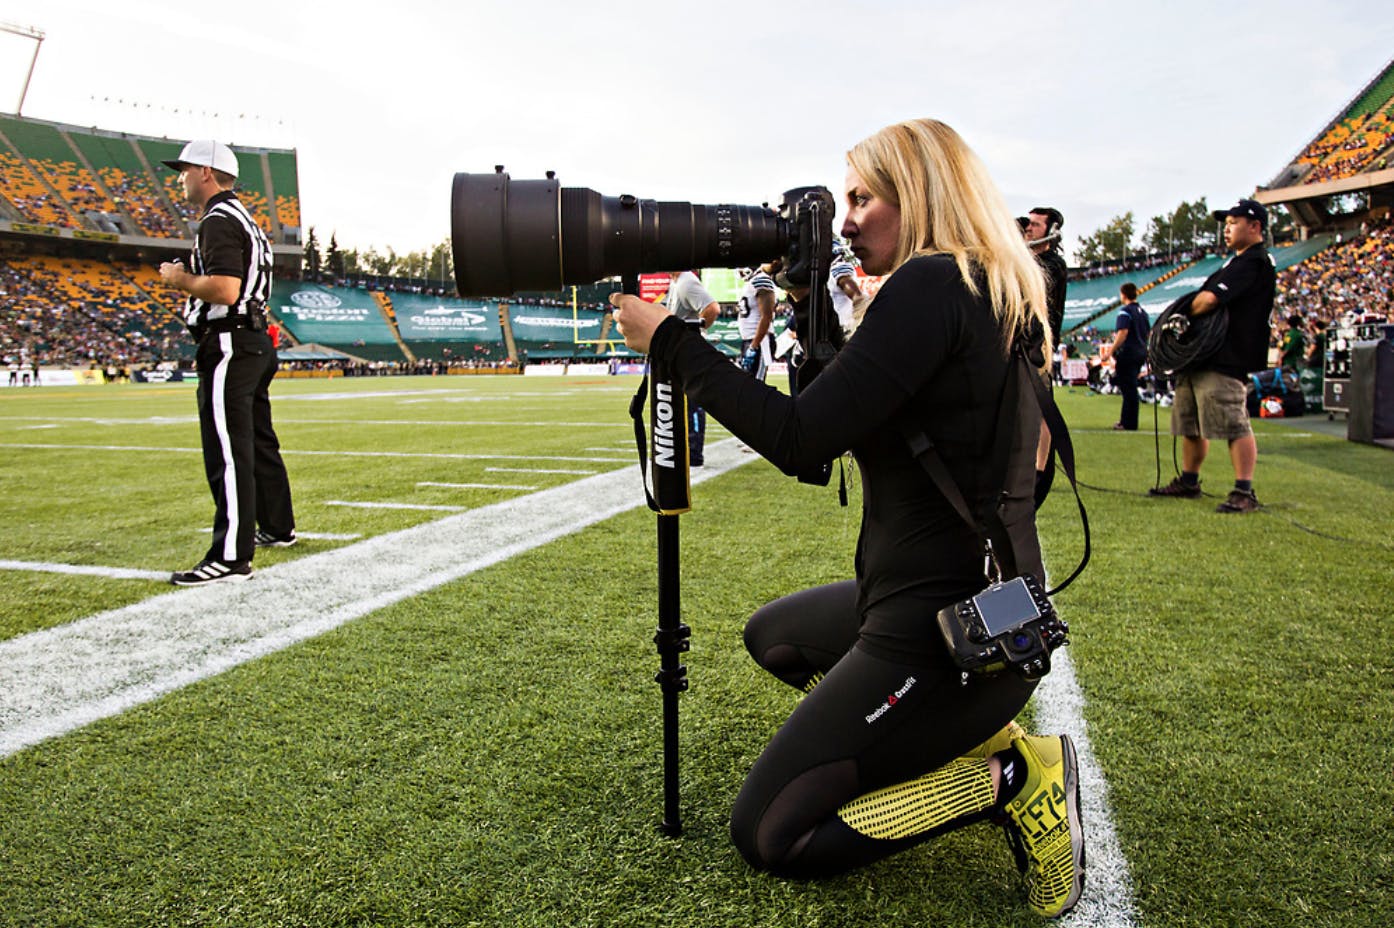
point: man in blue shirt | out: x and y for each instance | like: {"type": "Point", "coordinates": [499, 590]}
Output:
{"type": "Point", "coordinates": [1129, 353]}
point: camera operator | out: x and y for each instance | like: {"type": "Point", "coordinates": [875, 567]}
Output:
{"type": "Point", "coordinates": [693, 303]}
{"type": "Point", "coordinates": [1210, 398]}
{"type": "Point", "coordinates": [891, 747]}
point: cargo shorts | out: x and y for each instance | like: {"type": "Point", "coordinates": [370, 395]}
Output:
{"type": "Point", "coordinates": [1210, 405]}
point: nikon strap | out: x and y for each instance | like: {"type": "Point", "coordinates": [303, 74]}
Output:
{"type": "Point", "coordinates": [989, 527]}
{"type": "Point", "coordinates": [664, 463]}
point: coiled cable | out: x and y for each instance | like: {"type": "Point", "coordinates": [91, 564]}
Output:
{"type": "Point", "coordinates": [1179, 341]}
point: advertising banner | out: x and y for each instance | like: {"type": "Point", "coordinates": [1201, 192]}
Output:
{"type": "Point", "coordinates": [332, 315]}
{"type": "Point", "coordinates": [423, 318]}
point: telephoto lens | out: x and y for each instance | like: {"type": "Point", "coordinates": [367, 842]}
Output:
{"type": "Point", "coordinates": [509, 236]}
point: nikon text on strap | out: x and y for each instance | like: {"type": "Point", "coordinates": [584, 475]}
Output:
{"type": "Point", "coordinates": [664, 463]}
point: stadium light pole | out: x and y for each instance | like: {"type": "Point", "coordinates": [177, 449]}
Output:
{"type": "Point", "coordinates": [38, 37]}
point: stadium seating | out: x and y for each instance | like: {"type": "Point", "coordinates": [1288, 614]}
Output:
{"type": "Point", "coordinates": [1085, 299]}
{"type": "Point", "coordinates": [1352, 276]}
{"type": "Point", "coordinates": [56, 162]}
{"type": "Point", "coordinates": [119, 166]}
{"type": "Point", "coordinates": [29, 198]}
{"type": "Point", "coordinates": [286, 185]}
{"type": "Point", "coordinates": [1362, 138]}
{"type": "Point", "coordinates": [80, 313]}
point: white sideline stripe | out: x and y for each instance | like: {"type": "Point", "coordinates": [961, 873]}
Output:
{"type": "Point", "coordinates": [117, 573]}
{"type": "Point", "coordinates": [58, 679]}
{"type": "Point", "coordinates": [421, 506]}
{"type": "Point", "coordinates": [346, 454]}
{"type": "Point", "coordinates": [534, 470]}
{"type": "Point", "coordinates": [474, 486]}
{"type": "Point", "coordinates": [1108, 887]}
{"type": "Point", "coordinates": [284, 420]}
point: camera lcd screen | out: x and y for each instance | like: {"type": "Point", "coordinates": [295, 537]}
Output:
{"type": "Point", "coordinates": [1005, 607]}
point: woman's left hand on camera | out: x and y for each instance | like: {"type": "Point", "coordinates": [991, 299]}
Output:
{"type": "Point", "coordinates": [637, 318]}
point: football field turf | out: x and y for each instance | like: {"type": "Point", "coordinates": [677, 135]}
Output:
{"type": "Point", "coordinates": [438, 708]}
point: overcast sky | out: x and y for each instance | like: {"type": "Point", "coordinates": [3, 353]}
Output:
{"type": "Point", "coordinates": [1094, 107]}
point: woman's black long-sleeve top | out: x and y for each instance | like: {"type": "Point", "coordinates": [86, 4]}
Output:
{"type": "Point", "coordinates": [926, 348]}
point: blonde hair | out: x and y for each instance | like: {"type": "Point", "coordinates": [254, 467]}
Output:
{"type": "Point", "coordinates": [950, 205]}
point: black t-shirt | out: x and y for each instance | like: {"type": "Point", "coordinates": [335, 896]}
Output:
{"type": "Point", "coordinates": [929, 348]}
{"type": "Point", "coordinates": [1053, 264]}
{"type": "Point", "coordinates": [1245, 285]}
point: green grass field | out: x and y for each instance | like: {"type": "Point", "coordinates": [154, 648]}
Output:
{"type": "Point", "coordinates": [487, 751]}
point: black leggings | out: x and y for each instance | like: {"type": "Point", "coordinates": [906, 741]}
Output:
{"type": "Point", "coordinates": [888, 708]}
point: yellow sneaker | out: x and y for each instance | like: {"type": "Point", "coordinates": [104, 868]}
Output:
{"type": "Point", "coordinates": [998, 742]}
{"type": "Point", "coordinates": [1044, 825]}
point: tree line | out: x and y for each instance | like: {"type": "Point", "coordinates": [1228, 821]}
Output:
{"type": "Point", "coordinates": [434, 263]}
{"type": "Point", "coordinates": [1189, 227]}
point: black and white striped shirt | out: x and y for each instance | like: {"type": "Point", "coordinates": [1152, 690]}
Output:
{"type": "Point", "coordinates": [229, 243]}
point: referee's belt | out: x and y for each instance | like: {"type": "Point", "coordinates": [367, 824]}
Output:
{"type": "Point", "coordinates": [254, 321]}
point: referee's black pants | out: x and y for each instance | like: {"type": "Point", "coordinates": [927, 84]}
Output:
{"type": "Point", "coordinates": [241, 454]}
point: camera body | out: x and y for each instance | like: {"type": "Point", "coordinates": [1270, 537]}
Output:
{"type": "Point", "coordinates": [1010, 625]}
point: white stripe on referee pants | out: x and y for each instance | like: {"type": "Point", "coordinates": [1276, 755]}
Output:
{"type": "Point", "coordinates": [225, 443]}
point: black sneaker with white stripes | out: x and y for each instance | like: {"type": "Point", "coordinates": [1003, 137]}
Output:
{"type": "Point", "coordinates": [268, 540]}
{"type": "Point", "coordinates": [208, 571]}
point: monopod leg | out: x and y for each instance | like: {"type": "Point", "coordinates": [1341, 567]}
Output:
{"type": "Point", "coordinates": [672, 640]}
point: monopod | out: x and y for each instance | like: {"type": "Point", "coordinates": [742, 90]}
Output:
{"type": "Point", "coordinates": [664, 458]}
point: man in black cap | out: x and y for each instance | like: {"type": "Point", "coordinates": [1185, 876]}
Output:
{"type": "Point", "coordinates": [228, 283]}
{"type": "Point", "coordinates": [1209, 402]}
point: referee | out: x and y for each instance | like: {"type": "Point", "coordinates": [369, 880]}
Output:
{"type": "Point", "coordinates": [228, 284]}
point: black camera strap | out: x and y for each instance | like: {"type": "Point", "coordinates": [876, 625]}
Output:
{"type": "Point", "coordinates": [988, 526]}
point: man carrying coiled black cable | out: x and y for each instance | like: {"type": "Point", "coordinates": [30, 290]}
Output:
{"type": "Point", "coordinates": [1210, 395]}
{"type": "Point", "coordinates": [229, 282]}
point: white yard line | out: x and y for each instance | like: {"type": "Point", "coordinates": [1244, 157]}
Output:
{"type": "Point", "coordinates": [291, 452]}
{"type": "Point", "coordinates": [474, 486]}
{"type": "Point", "coordinates": [314, 536]}
{"type": "Point", "coordinates": [116, 573]}
{"type": "Point", "coordinates": [368, 505]}
{"type": "Point", "coordinates": [293, 420]}
{"type": "Point", "coordinates": [535, 470]}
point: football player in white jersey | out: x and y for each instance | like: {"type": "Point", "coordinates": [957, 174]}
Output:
{"type": "Point", "coordinates": [754, 317]}
{"type": "Point", "coordinates": [842, 284]}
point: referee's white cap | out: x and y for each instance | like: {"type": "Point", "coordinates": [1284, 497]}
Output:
{"type": "Point", "coordinates": [206, 153]}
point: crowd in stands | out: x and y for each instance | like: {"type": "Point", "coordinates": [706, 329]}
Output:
{"type": "Point", "coordinates": [422, 366]}
{"type": "Point", "coordinates": [30, 199]}
{"type": "Point", "coordinates": [143, 205]}
{"type": "Point", "coordinates": [71, 313]}
{"type": "Point", "coordinates": [1349, 147]}
{"type": "Point", "coordinates": [42, 186]}
{"type": "Point", "coordinates": [1352, 278]}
